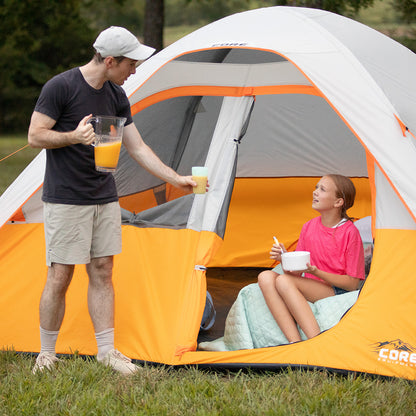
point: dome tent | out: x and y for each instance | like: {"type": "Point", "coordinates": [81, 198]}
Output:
{"type": "Point", "coordinates": [270, 100]}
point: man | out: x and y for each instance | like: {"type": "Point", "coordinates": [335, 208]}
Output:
{"type": "Point", "coordinates": [81, 211]}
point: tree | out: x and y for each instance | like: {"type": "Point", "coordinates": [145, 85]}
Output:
{"type": "Point", "coordinates": [37, 40]}
{"type": "Point", "coordinates": [153, 23]}
{"type": "Point", "coordinates": [406, 9]}
{"type": "Point", "coordinates": [343, 7]}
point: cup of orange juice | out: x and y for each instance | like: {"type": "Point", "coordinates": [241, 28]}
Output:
{"type": "Point", "coordinates": [200, 176]}
{"type": "Point", "coordinates": [107, 143]}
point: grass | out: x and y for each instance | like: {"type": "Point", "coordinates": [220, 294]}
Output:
{"type": "Point", "coordinates": [84, 387]}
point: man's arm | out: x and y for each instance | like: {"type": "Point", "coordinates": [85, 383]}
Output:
{"type": "Point", "coordinates": [41, 135]}
{"type": "Point", "coordinates": [145, 156]}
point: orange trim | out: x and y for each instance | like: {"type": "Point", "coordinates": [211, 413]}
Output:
{"type": "Point", "coordinates": [402, 125]}
{"type": "Point", "coordinates": [19, 212]}
{"type": "Point", "coordinates": [373, 190]}
{"type": "Point", "coordinates": [395, 190]}
{"type": "Point", "coordinates": [17, 216]}
{"type": "Point", "coordinates": [371, 162]}
{"type": "Point", "coordinates": [199, 50]}
{"type": "Point", "coordinates": [411, 133]}
{"type": "Point", "coordinates": [13, 153]}
{"type": "Point", "coordinates": [220, 91]}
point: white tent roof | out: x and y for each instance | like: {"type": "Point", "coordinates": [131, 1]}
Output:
{"type": "Point", "coordinates": [366, 77]}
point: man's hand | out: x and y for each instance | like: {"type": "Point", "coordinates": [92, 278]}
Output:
{"type": "Point", "coordinates": [84, 133]}
{"type": "Point", "coordinates": [186, 183]}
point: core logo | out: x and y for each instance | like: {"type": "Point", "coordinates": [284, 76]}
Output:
{"type": "Point", "coordinates": [228, 44]}
{"type": "Point", "coordinates": [396, 352]}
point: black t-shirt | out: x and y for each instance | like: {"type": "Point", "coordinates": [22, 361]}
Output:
{"type": "Point", "coordinates": [70, 176]}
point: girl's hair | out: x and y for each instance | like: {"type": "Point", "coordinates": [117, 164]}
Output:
{"type": "Point", "coordinates": [345, 189]}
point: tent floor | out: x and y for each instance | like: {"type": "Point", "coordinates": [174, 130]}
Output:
{"type": "Point", "coordinates": [224, 284]}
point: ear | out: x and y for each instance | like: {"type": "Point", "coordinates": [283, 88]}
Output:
{"type": "Point", "coordinates": [339, 203]}
{"type": "Point", "coordinates": [109, 61]}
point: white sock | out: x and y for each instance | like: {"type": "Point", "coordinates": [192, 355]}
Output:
{"type": "Point", "coordinates": [105, 341]}
{"type": "Point", "coordinates": [48, 340]}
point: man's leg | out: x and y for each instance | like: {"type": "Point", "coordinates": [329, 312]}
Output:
{"type": "Point", "coordinates": [101, 309]}
{"type": "Point", "coordinates": [51, 312]}
{"type": "Point", "coordinates": [101, 293]}
{"type": "Point", "coordinates": [52, 302]}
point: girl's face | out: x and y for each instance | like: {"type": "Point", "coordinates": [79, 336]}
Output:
{"type": "Point", "coordinates": [324, 195]}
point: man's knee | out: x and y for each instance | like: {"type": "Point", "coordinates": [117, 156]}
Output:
{"type": "Point", "coordinates": [100, 268]}
{"type": "Point", "coordinates": [60, 275]}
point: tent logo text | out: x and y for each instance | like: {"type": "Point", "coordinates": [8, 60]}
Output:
{"type": "Point", "coordinates": [228, 44]}
{"type": "Point", "coordinates": [396, 352]}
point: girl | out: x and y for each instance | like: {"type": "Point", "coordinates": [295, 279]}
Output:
{"type": "Point", "coordinates": [337, 260]}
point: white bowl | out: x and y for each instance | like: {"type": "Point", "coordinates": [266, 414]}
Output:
{"type": "Point", "coordinates": [295, 260]}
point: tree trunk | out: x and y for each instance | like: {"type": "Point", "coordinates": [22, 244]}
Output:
{"type": "Point", "coordinates": [153, 24]}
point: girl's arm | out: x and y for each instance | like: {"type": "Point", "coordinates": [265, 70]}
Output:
{"type": "Point", "coordinates": [342, 281]}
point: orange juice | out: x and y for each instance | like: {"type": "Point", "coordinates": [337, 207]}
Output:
{"type": "Point", "coordinates": [106, 156]}
{"type": "Point", "coordinates": [202, 184]}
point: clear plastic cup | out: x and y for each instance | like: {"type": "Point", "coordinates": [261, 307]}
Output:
{"type": "Point", "coordinates": [200, 176]}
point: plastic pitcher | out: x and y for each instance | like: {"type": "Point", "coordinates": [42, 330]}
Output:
{"type": "Point", "coordinates": [107, 143]}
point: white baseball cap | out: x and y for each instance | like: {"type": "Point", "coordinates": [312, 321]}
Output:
{"type": "Point", "coordinates": [117, 41]}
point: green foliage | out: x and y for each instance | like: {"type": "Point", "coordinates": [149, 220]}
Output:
{"type": "Point", "coordinates": [344, 7]}
{"type": "Point", "coordinates": [38, 39]}
{"type": "Point", "coordinates": [180, 12]}
{"type": "Point", "coordinates": [103, 13]}
{"type": "Point", "coordinates": [407, 9]}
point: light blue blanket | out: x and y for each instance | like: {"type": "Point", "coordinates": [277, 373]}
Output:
{"type": "Point", "coordinates": [250, 324]}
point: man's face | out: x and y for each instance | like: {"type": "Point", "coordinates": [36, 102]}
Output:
{"type": "Point", "coordinates": [119, 71]}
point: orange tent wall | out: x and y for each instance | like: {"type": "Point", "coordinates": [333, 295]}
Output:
{"type": "Point", "coordinates": [159, 295]}
{"type": "Point", "coordinates": [383, 313]}
{"type": "Point", "coordinates": [263, 207]}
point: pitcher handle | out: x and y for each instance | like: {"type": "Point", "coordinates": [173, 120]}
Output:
{"type": "Point", "coordinates": [91, 120]}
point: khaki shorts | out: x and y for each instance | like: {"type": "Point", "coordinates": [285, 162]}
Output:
{"type": "Point", "coordinates": [75, 234]}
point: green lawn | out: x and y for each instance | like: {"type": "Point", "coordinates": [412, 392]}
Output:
{"type": "Point", "coordinates": [84, 387]}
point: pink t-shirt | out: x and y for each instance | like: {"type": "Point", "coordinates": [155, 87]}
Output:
{"type": "Point", "coordinates": [336, 250]}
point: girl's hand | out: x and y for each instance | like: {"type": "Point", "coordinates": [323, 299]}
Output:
{"type": "Point", "coordinates": [276, 251]}
{"type": "Point", "coordinates": [310, 269]}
